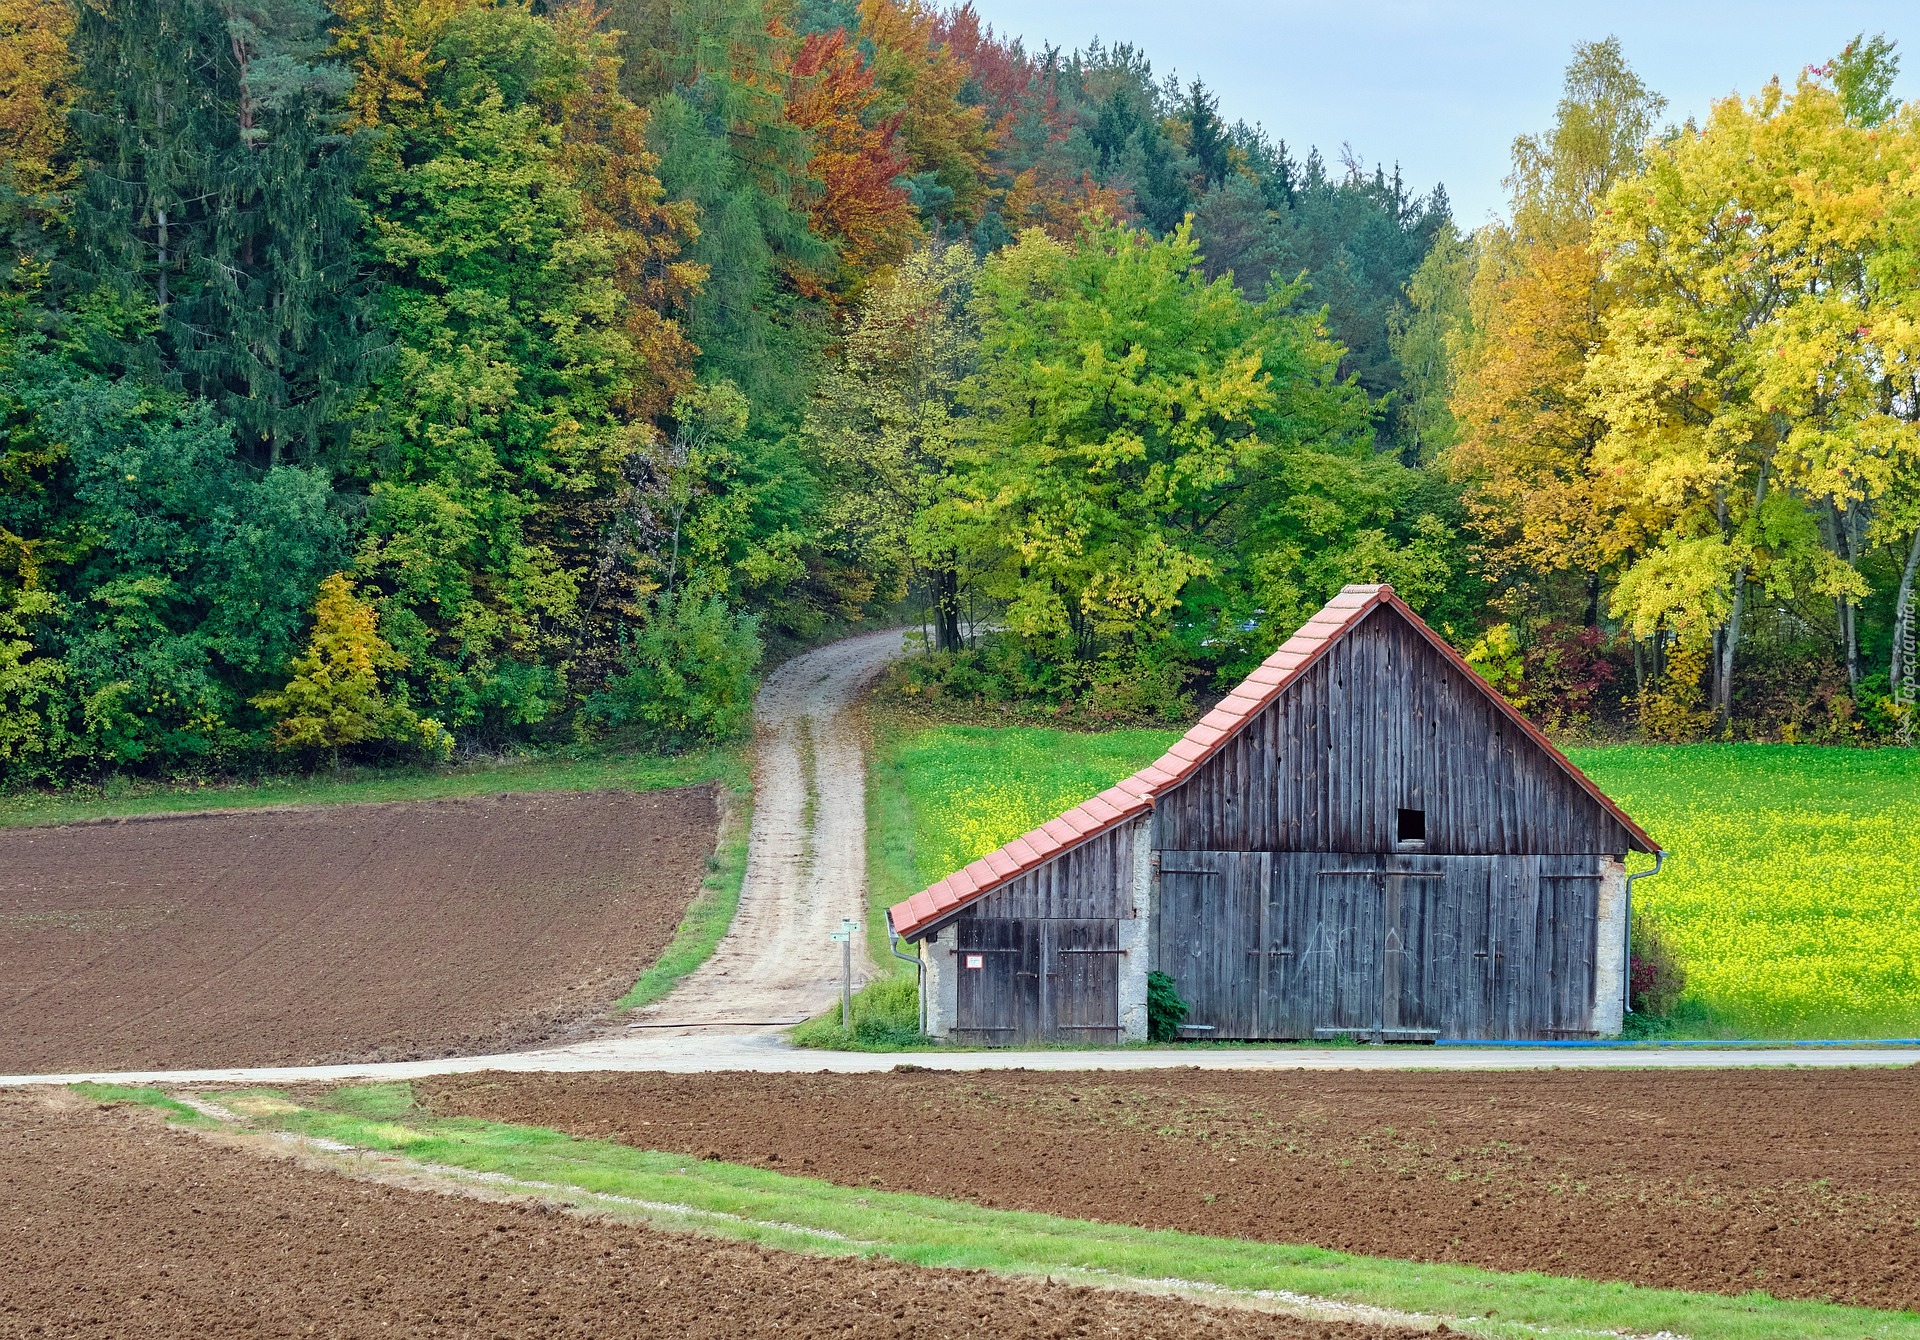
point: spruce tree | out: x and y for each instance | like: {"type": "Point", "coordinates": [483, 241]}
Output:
{"type": "Point", "coordinates": [216, 217]}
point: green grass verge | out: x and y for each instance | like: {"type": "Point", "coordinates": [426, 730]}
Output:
{"type": "Point", "coordinates": [710, 913]}
{"type": "Point", "coordinates": [891, 868]}
{"type": "Point", "coordinates": [964, 790]}
{"type": "Point", "coordinates": [802, 1214]}
{"type": "Point", "coordinates": [557, 772]}
{"type": "Point", "coordinates": [1792, 894]}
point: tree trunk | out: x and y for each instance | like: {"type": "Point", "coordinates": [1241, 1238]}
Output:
{"type": "Point", "coordinates": [1902, 658]}
{"type": "Point", "coordinates": [1849, 622]}
{"type": "Point", "coordinates": [1731, 639]}
{"type": "Point", "coordinates": [946, 609]}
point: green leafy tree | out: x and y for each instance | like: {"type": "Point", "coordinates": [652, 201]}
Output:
{"type": "Point", "coordinates": [886, 421]}
{"type": "Point", "coordinates": [506, 403]}
{"type": "Point", "coordinates": [688, 676]}
{"type": "Point", "coordinates": [182, 574]}
{"type": "Point", "coordinates": [1131, 424]}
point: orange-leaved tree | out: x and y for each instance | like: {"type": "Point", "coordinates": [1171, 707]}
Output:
{"type": "Point", "coordinates": [945, 136]}
{"type": "Point", "coordinates": [854, 158]}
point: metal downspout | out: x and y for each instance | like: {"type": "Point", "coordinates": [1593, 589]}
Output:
{"type": "Point", "coordinates": [1626, 962]}
{"type": "Point", "coordinates": [919, 966]}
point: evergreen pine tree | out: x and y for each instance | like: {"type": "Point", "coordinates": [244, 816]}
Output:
{"type": "Point", "coordinates": [217, 213]}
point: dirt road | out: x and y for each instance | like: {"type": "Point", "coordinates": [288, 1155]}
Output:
{"type": "Point", "coordinates": [807, 855]}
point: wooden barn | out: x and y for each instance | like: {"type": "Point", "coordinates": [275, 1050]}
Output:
{"type": "Point", "coordinates": [1362, 839]}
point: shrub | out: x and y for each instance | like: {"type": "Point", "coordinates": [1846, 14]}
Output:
{"type": "Point", "coordinates": [886, 1013]}
{"type": "Point", "coordinates": [1556, 676]}
{"type": "Point", "coordinates": [1166, 1011]}
{"type": "Point", "coordinates": [688, 675]}
{"type": "Point", "coordinates": [1671, 710]}
{"type": "Point", "coordinates": [1655, 979]}
{"type": "Point", "coordinates": [334, 699]}
{"type": "Point", "coordinates": [1035, 678]}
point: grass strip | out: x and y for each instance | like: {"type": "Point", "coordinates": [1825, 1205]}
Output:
{"type": "Point", "coordinates": [803, 1214]}
{"type": "Point", "coordinates": [711, 912]}
{"type": "Point", "coordinates": [890, 837]}
{"type": "Point", "coordinates": [121, 797]}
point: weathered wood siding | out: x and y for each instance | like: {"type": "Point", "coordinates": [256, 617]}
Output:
{"type": "Point", "coordinates": [1380, 723]}
{"type": "Point", "coordinates": [1281, 945]}
{"type": "Point", "coordinates": [1049, 946]}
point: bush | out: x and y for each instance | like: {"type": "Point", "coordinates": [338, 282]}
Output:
{"type": "Point", "coordinates": [1655, 979]}
{"type": "Point", "coordinates": [886, 1013]}
{"type": "Point", "coordinates": [1166, 1011]}
{"type": "Point", "coordinates": [1036, 679]}
{"type": "Point", "coordinates": [688, 675]}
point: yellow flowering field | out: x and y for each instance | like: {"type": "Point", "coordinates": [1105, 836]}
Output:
{"type": "Point", "coordinates": [1792, 894]}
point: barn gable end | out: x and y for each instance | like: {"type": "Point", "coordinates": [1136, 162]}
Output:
{"type": "Point", "coordinates": [1381, 722]}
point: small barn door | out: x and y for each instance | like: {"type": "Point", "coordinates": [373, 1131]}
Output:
{"type": "Point", "coordinates": [1346, 978]}
{"type": "Point", "coordinates": [1081, 992]}
{"type": "Point", "coordinates": [1411, 903]}
{"type": "Point", "coordinates": [1210, 936]}
{"type": "Point", "coordinates": [1034, 979]}
{"type": "Point", "coordinates": [997, 997]}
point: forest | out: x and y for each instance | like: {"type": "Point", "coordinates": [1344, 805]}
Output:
{"type": "Point", "coordinates": [412, 378]}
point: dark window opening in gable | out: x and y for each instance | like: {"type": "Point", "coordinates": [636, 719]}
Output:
{"type": "Point", "coordinates": [1413, 825]}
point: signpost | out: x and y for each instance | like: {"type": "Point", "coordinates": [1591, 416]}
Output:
{"type": "Point", "coordinates": [845, 936]}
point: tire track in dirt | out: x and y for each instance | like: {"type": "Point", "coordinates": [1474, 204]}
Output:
{"type": "Point", "coordinates": [806, 852]}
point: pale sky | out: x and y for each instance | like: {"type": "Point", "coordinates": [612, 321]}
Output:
{"type": "Point", "coordinates": [1443, 88]}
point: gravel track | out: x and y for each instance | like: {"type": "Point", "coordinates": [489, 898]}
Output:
{"type": "Point", "coordinates": [807, 850]}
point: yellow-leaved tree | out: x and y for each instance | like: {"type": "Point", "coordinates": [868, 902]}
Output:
{"type": "Point", "coordinates": [1526, 429]}
{"type": "Point", "coordinates": [334, 698]}
{"type": "Point", "coordinates": [1742, 381]}
{"type": "Point", "coordinates": [36, 91]}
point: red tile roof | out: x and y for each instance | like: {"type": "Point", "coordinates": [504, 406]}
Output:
{"type": "Point", "coordinates": [1134, 796]}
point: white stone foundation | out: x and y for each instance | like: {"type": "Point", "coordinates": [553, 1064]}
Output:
{"type": "Point", "coordinates": [1610, 953]}
{"type": "Point", "coordinates": [1134, 938]}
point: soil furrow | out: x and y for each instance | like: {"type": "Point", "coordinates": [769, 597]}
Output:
{"type": "Point", "coordinates": [1802, 1184]}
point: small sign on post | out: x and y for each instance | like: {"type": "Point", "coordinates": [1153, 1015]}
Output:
{"type": "Point", "coordinates": [845, 936]}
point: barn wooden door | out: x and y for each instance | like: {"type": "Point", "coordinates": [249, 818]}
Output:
{"type": "Point", "coordinates": [1210, 936]}
{"type": "Point", "coordinates": [1353, 946]}
{"type": "Point", "coordinates": [1038, 979]}
{"type": "Point", "coordinates": [1081, 991]}
{"type": "Point", "coordinates": [998, 1002]}
{"type": "Point", "coordinates": [1345, 977]}
{"type": "Point", "coordinates": [1412, 901]}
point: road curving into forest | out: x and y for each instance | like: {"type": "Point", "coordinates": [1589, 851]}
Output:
{"type": "Point", "coordinates": [806, 853]}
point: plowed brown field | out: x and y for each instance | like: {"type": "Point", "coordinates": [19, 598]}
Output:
{"type": "Point", "coordinates": [1801, 1183]}
{"type": "Point", "coordinates": [115, 1226]}
{"type": "Point", "coordinates": [339, 933]}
